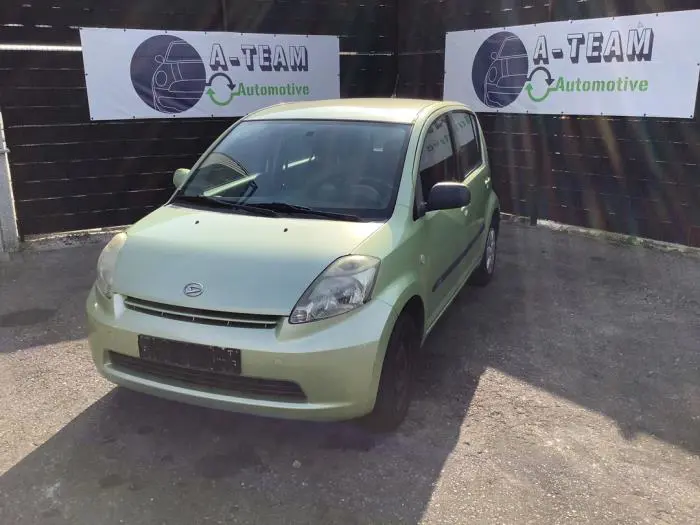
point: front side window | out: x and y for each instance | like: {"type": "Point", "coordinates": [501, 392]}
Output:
{"type": "Point", "coordinates": [437, 160]}
{"type": "Point", "coordinates": [327, 166]}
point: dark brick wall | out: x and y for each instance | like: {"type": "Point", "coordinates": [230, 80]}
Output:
{"type": "Point", "coordinates": [69, 173]}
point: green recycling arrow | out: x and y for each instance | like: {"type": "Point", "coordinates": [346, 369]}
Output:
{"type": "Point", "coordinates": [212, 96]}
{"type": "Point", "coordinates": [529, 88]}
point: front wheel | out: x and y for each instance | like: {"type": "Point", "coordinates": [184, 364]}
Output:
{"type": "Point", "coordinates": [484, 273]}
{"type": "Point", "coordinates": [395, 383]}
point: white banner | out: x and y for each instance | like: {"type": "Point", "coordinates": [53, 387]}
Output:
{"type": "Point", "coordinates": [138, 73]}
{"type": "Point", "coordinates": [642, 65]}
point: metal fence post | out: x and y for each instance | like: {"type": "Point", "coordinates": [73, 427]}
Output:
{"type": "Point", "coordinates": [9, 236]}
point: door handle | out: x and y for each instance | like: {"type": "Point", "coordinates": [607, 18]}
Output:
{"type": "Point", "coordinates": [465, 210]}
{"type": "Point", "coordinates": [487, 181]}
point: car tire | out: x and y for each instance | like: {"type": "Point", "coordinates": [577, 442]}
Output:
{"type": "Point", "coordinates": [487, 267]}
{"type": "Point", "coordinates": [395, 383]}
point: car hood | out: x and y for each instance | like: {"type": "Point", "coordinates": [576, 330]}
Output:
{"type": "Point", "coordinates": [245, 264]}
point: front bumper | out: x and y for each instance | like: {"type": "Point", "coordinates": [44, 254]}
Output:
{"type": "Point", "coordinates": [336, 362]}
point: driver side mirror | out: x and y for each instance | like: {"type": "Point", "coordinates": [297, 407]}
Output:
{"type": "Point", "coordinates": [180, 176]}
{"type": "Point", "coordinates": [160, 59]}
{"type": "Point", "coordinates": [448, 196]}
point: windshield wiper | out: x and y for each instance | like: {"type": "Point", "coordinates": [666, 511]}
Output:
{"type": "Point", "coordinates": [285, 207]}
{"type": "Point", "coordinates": [225, 203]}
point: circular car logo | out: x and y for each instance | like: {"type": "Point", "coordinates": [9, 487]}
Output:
{"type": "Point", "coordinates": [500, 69]}
{"type": "Point", "coordinates": [193, 290]}
{"type": "Point", "coordinates": [168, 74]}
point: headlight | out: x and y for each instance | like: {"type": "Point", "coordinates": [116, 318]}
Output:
{"type": "Point", "coordinates": [345, 285]}
{"type": "Point", "coordinates": [106, 264]}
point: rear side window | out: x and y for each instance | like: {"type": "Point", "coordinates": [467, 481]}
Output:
{"type": "Point", "coordinates": [437, 160]}
{"type": "Point", "coordinates": [468, 147]}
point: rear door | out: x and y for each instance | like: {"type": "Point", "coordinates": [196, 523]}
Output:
{"type": "Point", "coordinates": [475, 173]}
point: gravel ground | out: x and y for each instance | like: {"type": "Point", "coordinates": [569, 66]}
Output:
{"type": "Point", "coordinates": [566, 392]}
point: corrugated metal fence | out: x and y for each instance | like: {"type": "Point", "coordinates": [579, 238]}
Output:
{"type": "Point", "coordinates": [638, 176]}
{"type": "Point", "coordinates": [628, 175]}
{"type": "Point", "coordinates": [70, 173]}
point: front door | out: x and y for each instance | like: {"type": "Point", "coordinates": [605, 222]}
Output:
{"type": "Point", "coordinates": [444, 231]}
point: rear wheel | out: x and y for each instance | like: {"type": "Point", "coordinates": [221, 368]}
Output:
{"type": "Point", "coordinates": [395, 383]}
{"type": "Point", "coordinates": [484, 273]}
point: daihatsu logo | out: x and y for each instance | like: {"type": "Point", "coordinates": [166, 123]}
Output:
{"type": "Point", "coordinates": [193, 290]}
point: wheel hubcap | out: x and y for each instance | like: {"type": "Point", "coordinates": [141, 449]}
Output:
{"type": "Point", "coordinates": [491, 250]}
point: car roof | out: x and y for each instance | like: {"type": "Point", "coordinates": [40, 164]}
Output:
{"type": "Point", "coordinates": [397, 110]}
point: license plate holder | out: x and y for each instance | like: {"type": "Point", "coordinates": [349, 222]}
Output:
{"type": "Point", "coordinates": [192, 356]}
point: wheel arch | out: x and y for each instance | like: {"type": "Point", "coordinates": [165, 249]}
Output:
{"type": "Point", "coordinates": [496, 219]}
{"type": "Point", "coordinates": [408, 301]}
{"type": "Point", "coordinates": [493, 211]}
{"type": "Point", "coordinates": [415, 308]}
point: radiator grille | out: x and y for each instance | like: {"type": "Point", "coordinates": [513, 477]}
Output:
{"type": "Point", "coordinates": [194, 315]}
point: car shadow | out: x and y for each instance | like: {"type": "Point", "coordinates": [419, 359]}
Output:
{"type": "Point", "coordinates": [153, 461]}
{"type": "Point", "coordinates": [610, 328]}
{"type": "Point", "coordinates": [149, 460]}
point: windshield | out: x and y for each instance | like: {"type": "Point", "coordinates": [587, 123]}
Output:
{"type": "Point", "coordinates": [341, 167]}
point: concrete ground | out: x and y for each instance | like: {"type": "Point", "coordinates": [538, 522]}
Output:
{"type": "Point", "coordinates": [566, 392]}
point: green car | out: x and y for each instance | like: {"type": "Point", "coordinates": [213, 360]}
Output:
{"type": "Point", "coordinates": [301, 263]}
